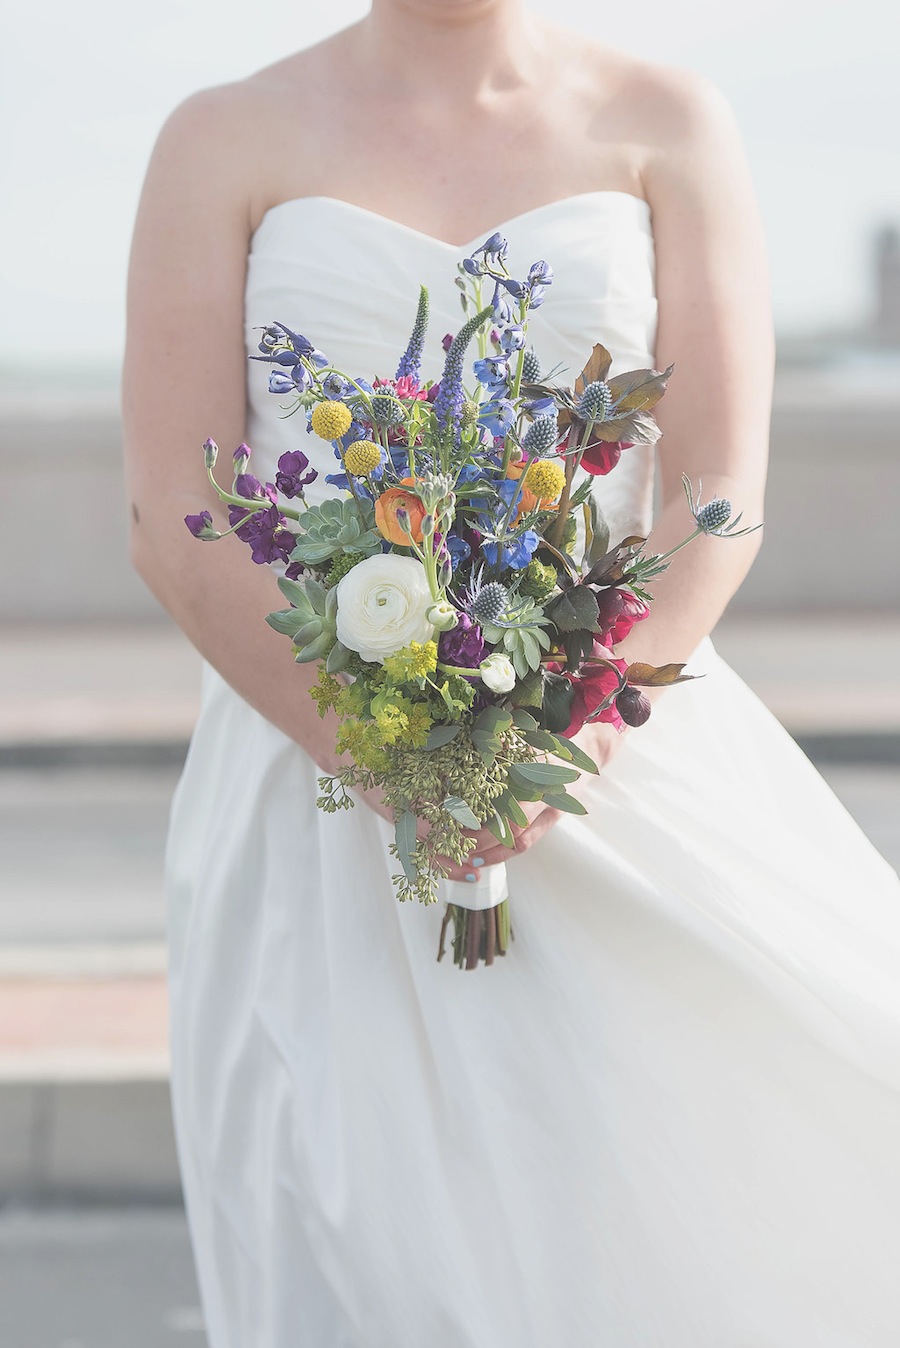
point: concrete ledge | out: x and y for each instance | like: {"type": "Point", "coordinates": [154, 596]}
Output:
{"type": "Point", "coordinates": [87, 1140]}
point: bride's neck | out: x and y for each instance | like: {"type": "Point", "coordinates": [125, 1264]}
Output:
{"type": "Point", "coordinates": [467, 47]}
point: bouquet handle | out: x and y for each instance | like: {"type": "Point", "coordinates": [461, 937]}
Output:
{"type": "Point", "coordinates": [480, 915]}
{"type": "Point", "coordinates": [488, 892]}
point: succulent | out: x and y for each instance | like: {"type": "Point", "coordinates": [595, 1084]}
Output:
{"type": "Point", "coordinates": [336, 526]}
{"type": "Point", "coordinates": [310, 621]}
{"type": "Point", "coordinates": [521, 634]}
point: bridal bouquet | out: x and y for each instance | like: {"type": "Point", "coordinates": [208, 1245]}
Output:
{"type": "Point", "coordinates": [460, 595]}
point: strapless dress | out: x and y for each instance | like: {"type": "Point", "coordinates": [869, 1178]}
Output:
{"type": "Point", "coordinates": [670, 1118]}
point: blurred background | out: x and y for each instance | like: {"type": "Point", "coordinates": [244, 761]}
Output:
{"type": "Point", "coordinates": [99, 690]}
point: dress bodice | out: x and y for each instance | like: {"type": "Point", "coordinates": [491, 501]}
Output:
{"type": "Point", "coordinates": [348, 279]}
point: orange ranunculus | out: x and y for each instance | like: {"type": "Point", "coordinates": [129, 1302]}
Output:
{"type": "Point", "coordinates": [516, 467]}
{"type": "Point", "coordinates": [386, 507]}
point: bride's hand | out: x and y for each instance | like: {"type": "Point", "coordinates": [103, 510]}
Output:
{"type": "Point", "coordinates": [601, 742]}
{"type": "Point", "coordinates": [483, 841]}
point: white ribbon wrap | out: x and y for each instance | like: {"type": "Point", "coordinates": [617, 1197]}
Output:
{"type": "Point", "coordinates": [487, 892]}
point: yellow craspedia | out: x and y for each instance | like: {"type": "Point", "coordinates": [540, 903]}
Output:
{"type": "Point", "coordinates": [546, 478]}
{"type": "Point", "coordinates": [331, 420]}
{"type": "Point", "coordinates": [362, 458]}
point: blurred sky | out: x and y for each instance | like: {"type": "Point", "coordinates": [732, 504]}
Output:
{"type": "Point", "coordinates": [84, 89]}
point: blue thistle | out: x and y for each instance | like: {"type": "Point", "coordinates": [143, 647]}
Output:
{"type": "Point", "coordinates": [448, 405]}
{"type": "Point", "coordinates": [411, 360]}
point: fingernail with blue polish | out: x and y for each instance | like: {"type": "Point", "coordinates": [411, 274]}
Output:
{"type": "Point", "coordinates": [471, 878]}
{"type": "Point", "coordinates": [478, 861]}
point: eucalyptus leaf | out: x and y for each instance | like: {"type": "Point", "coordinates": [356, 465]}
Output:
{"type": "Point", "coordinates": [561, 800]}
{"type": "Point", "coordinates": [523, 720]}
{"type": "Point", "coordinates": [440, 735]}
{"type": "Point", "coordinates": [493, 720]}
{"type": "Point", "coordinates": [579, 757]}
{"type": "Point", "coordinates": [543, 774]}
{"type": "Point", "coordinates": [507, 805]}
{"type": "Point", "coordinates": [501, 830]}
{"type": "Point", "coordinates": [461, 812]}
{"type": "Point", "coordinates": [405, 839]}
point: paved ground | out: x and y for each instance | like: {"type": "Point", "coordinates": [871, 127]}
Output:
{"type": "Point", "coordinates": [97, 1279]}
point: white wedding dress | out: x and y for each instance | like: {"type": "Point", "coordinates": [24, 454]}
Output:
{"type": "Point", "coordinates": [670, 1117]}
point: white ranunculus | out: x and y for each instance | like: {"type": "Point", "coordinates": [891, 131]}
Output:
{"type": "Point", "coordinates": [382, 606]}
{"type": "Point", "coordinates": [497, 672]}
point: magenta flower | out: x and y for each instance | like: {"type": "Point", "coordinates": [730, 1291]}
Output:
{"type": "Point", "coordinates": [618, 611]}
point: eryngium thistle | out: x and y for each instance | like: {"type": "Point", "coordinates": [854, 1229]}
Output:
{"type": "Point", "coordinates": [448, 405]}
{"type": "Point", "coordinates": [490, 602]}
{"type": "Point", "coordinates": [713, 515]}
{"type": "Point", "coordinates": [595, 402]}
{"type": "Point", "coordinates": [531, 368]}
{"type": "Point", "coordinates": [541, 436]}
{"type": "Point", "coordinates": [386, 408]}
{"type": "Point", "coordinates": [410, 361]}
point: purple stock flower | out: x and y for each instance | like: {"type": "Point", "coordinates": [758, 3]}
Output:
{"type": "Point", "coordinates": [264, 531]}
{"type": "Point", "coordinates": [447, 341]}
{"type": "Point", "coordinates": [463, 645]}
{"type": "Point", "coordinates": [200, 525]}
{"type": "Point", "coordinates": [294, 473]}
{"type": "Point", "coordinates": [250, 487]}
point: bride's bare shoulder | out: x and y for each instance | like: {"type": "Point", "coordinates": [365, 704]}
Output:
{"type": "Point", "coordinates": [222, 136]}
{"type": "Point", "coordinates": [676, 120]}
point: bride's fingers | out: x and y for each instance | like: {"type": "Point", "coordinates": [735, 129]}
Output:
{"type": "Point", "coordinates": [525, 838]}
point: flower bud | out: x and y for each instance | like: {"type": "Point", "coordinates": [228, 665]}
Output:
{"type": "Point", "coordinates": [498, 673]}
{"type": "Point", "coordinates": [442, 616]}
{"type": "Point", "coordinates": [633, 706]}
{"type": "Point", "coordinates": [210, 453]}
{"type": "Point", "coordinates": [241, 459]}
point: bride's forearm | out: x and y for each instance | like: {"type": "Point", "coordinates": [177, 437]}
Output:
{"type": "Point", "coordinates": [690, 597]}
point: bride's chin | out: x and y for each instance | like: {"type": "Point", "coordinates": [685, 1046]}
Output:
{"type": "Point", "coordinates": [447, 10]}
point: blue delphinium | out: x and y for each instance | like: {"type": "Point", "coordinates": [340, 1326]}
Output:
{"type": "Point", "coordinates": [411, 360]}
{"type": "Point", "coordinates": [448, 405]}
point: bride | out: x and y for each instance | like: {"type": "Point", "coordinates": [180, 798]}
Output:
{"type": "Point", "coordinates": [669, 1119]}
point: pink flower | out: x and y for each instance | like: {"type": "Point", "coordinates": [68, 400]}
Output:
{"type": "Point", "coordinates": [619, 610]}
{"type": "Point", "coordinates": [601, 456]}
{"type": "Point", "coordinates": [592, 687]}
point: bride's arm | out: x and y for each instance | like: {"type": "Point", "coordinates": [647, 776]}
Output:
{"type": "Point", "coordinates": [184, 380]}
{"type": "Point", "coordinates": [715, 325]}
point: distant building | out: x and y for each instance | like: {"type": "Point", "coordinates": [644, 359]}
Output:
{"type": "Point", "coordinates": [874, 342]}
{"type": "Point", "coordinates": [886, 322]}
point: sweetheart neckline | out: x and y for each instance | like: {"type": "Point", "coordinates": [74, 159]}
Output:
{"type": "Point", "coordinates": [468, 244]}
